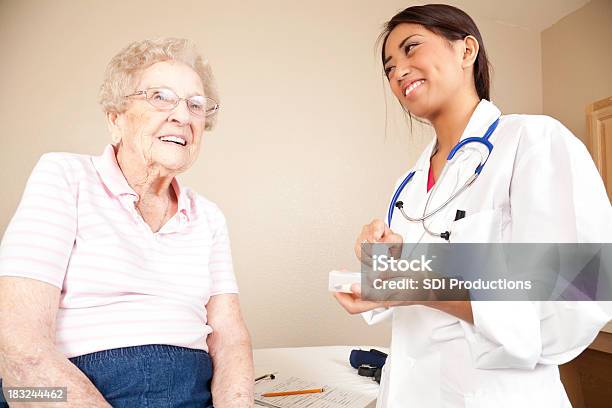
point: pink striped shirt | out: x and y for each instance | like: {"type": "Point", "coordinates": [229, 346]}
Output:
{"type": "Point", "coordinates": [121, 284]}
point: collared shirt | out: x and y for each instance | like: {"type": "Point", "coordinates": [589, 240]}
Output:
{"type": "Point", "coordinates": [121, 284]}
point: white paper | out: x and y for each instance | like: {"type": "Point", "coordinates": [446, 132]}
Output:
{"type": "Point", "coordinates": [332, 397]}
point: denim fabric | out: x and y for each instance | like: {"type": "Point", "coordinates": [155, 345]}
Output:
{"type": "Point", "coordinates": [151, 376]}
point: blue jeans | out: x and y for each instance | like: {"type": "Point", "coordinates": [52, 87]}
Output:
{"type": "Point", "coordinates": [151, 376]}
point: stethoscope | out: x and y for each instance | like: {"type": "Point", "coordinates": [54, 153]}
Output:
{"type": "Point", "coordinates": [461, 145]}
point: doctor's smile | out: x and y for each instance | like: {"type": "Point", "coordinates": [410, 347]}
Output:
{"type": "Point", "coordinates": [412, 86]}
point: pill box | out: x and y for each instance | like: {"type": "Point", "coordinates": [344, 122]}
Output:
{"type": "Point", "coordinates": [342, 281]}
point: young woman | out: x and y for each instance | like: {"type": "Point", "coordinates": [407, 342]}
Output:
{"type": "Point", "coordinates": [539, 184]}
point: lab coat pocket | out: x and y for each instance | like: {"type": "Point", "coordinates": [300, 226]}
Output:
{"type": "Point", "coordinates": [483, 226]}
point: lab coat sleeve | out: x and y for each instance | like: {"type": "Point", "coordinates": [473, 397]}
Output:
{"type": "Point", "coordinates": [377, 315]}
{"type": "Point", "coordinates": [556, 192]}
{"type": "Point", "coordinates": [556, 195]}
{"type": "Point", "coordinates": [569, 327]}
{"type": "Point", "coordinates": [504, 335]}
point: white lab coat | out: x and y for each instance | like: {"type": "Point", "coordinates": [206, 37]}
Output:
{"type": "Point", "coordinates": [539, 185]}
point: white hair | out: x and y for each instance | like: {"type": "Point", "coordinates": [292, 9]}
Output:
{"type": "Point", "coordinates": [124, 69]}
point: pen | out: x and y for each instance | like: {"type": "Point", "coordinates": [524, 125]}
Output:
{"type": "Point", "coordinates": [295, 392]}
{"type": "Point", "coordinates": [272, 376]}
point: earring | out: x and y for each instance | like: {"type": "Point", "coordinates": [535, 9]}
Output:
{"type": "Point", "coordinates": [116, 138]}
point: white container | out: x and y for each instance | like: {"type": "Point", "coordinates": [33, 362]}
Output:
{"type": "Point", "coordinates": [341, 281]}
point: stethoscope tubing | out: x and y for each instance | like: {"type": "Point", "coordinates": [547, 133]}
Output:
{"type": "Point", "coordinates": [398, 204]}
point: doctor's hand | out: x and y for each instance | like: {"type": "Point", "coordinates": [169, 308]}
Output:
{"type": "Point", "coordinates": [373, 233]}
{"type": "Point", "coordinates": [353, 303]}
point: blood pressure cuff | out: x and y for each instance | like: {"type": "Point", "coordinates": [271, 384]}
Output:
{"type": "Point", "coordinates": [373, 357]}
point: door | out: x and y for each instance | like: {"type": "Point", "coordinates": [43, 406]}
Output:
{"type": "Point", "coordinates": [599, 125]}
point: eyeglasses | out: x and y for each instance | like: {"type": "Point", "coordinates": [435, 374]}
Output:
{"type": "Point", "coordinates": [167, 99]}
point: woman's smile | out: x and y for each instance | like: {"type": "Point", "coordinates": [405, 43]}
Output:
{"type": "Point", "coordinates": [412, 86]}
{"type": "Point", "coordinates": [173, 140]}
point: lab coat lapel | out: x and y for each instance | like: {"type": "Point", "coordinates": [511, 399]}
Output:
{"type": "Point", "coordinates": [484, 115]}
{"type": "Point", "coordinates": [461, 168]}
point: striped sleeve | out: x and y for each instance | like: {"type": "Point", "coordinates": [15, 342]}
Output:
{"type": "Point", "coordinates": [39, 238]}
{"type": "Point", "coordinates": [220, 265]}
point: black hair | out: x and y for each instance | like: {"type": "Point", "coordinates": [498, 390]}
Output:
{"type": "Point", "coordinates": [450, 23]}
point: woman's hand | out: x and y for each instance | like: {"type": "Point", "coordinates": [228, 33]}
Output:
{"type": "Point", "coordinates": [373, 233]}
{"type": "Point", "coordinates": [353, 303]}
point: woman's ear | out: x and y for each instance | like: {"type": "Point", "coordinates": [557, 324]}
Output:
{"type": "Point", "coordinates": [471, 47]}
{"type": "Point", "coordinates": [111, 121]}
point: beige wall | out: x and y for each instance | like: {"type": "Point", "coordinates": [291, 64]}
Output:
{"type": "Point", "coordinates": [300, 158]}
{"type": "Point", "coordinates": [577, 64]}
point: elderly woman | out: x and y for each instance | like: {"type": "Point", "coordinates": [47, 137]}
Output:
{"type": "Point", "coordinates": [116, 281]}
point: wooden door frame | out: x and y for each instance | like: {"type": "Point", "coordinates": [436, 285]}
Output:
{"type": "Point", "coordinates": [595, 142]}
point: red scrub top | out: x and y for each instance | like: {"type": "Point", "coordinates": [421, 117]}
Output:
{"type": "Point", "coordinates": [430, 179]}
